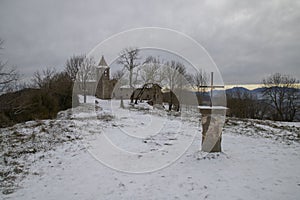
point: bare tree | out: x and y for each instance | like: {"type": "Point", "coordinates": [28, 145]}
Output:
{"type": "Point", "coordinates": [73, 64]}
{"type": "Point", "coordinates": [118, 74]}
{"type": "Point", "coordinates": [283, 93]}
{"type": "Point", "coordinates": [199, 80]}
{"type": "Point", "coordinates": [152, 71]}
{"type": "Point", "coordinates": [175, 77]}
{"type": "Point", "coordinates": [43, 79]}
{"type": "Point", "coordinates": [175, 74]}
{"type": "Point", "coordinates": [244, 104]}
{"type": "Point", "coordinates": [8, 75]}
{"type": "Point", "coordinates": [129, 58]}
{"type": "Point", "coordinates": [85, 73]}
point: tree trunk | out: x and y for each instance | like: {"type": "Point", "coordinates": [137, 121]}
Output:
{"type": "Point", "coordinates": [170, 101]}
{"type": "Point", "coordinates": [84, 93]}
{"type": "Point", "coordinates": [130, 78]}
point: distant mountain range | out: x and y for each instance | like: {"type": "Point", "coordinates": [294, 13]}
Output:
{"type": "Point", "coordinates": [242, 90]}
{"type": "Point", "coordinates": [235, 90]}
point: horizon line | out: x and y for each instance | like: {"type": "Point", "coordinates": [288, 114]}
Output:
{"type": "Point", "coordinates": [249, 86]}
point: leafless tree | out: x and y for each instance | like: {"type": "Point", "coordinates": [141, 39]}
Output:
{"type": "Point", "coordinates": [118, 74]}
{"type": "Point", "coordinates": [129, 58]}
{"type": "Point", "coordinates": [244, 104]}
{"type": "Point", "coordinates": [175, 74]}
{"type": "Point", "coordinates": [175, 78]}
{"type": "Point", "coordinates": [199, 80]}
{"type": "Point", "coordinates": [73, 64]}
{"type": "Point", "coordinates": [152, 71]}
{"type": "Point", "coordinates": [85, 73]}
{"type": "Point", "coordinates": [283, 93]}
{"type": "Point", "coordinates": [8, 75]}
{"type": "Point", "coordinates": [43, 79]}
{"type": "Point", "coordinates": [121, 77]}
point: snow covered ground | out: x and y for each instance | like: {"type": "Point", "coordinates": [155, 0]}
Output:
{"type": "Point", "coordinates": [68, 158]}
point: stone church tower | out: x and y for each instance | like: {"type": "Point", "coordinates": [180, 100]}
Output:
{"type": "Point", "coordinates": [105, 85]}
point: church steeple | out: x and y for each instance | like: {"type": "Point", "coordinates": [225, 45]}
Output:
{"type": "Point", "coordinates": [103, 70]}
{"type": "Point", "coordinates": [102, 62]}
{"type": "Point", "coordinates": [105, 86]}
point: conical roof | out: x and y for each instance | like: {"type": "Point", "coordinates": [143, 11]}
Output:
{"type": "Point", "coordinates": [102, 62]}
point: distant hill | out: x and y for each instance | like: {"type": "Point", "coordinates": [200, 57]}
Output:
{"type": "Point", "coordinates": [236, 90]}
{"type": "Point", "coordinates": [258, 90]}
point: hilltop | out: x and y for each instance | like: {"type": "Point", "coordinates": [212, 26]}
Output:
{"type": "Point", "coordinates": [50, 158]}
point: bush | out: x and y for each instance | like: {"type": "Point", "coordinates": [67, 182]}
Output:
{"type": "Point", "coordinates": [43, 103]}
{"type": "Point", "coordinates": [246, 105]}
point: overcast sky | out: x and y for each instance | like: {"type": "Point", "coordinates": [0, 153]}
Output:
{"type": "Point", "coordinates": [247, 39]}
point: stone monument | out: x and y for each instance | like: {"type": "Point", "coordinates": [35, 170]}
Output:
{"type": "Point", "coordinates": [213, 119]}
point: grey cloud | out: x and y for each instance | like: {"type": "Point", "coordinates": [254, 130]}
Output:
{"type": "Point", "coordinates": [247, 39]}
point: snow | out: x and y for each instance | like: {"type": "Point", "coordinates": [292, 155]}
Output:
{"type": "Point", "coordinates": [213, 107]}
{"type": "Point", "coordinates": [260, 159]}
{"type": "Point", "coordinates": [129, 87]}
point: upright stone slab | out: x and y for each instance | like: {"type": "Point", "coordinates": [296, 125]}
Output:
{"type": "Point", "coordinates": [213, 118]}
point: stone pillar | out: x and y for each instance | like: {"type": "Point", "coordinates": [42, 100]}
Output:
{"type": "Point", "coordinates": [213, 119]}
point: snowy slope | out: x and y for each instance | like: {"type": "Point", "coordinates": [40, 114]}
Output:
{"type": "Point", "coordinates": [259, 160]}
